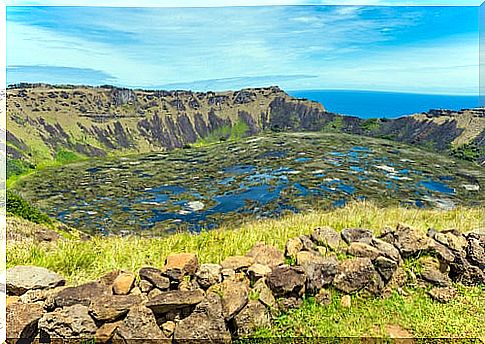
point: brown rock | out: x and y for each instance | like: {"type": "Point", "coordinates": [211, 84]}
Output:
{"type": "Point", "coordinates": [154, 293]}
{"type": "Point", "coordinates": [351, 235]}
{"type": "Point", "coordinates": [168, 328]}
{"type": "Point", "coordinates": [327, 237]}
{"type": "Point", "coordinates": [293, 246]}
{"type": "Point", "coordinates": [145, 286]}
{"type": "Point", "coordinates": [410, 242]}
{"type": "Point", "coordinates": [385, 267]}
{"type": "Point", "coordinates": [123, 283]}
{"type": "Point", "coordinates": [431, 272]}
{"type": "Point", "coordinates": [105, 333]}
{"type": "Point", "coordinates": [206, 323]}
{"type": "Point", "coordinates": [68, 322]}
{"type": "Point", "coordinates": [287, 281]}
{"type": "Point", "coordinates": [140, 324]}
{"type": "Point", "coordinates": [362, 250]}
{"type": "Point", "coordinates": [22, 320]}
{"type": "Point", "coordinates": [287, 303]}
{"type": "Point", "coordinates": [443, 295]}
{"type": "Point", "coordinates": [12, 299]}
{"type": "Point", "coordinates": [155, 277]}
{"type": "Point", "coordinates": [386, 249]}
{"type": "Point", "coordinates": [251, 317]}
{"type": "Point", "coordinates": [346, 301]}
{"type": "Point", "coordinates": [110, 308]}
{"type": "Point", "coordinates": [20, 279]}
{"type": "Point", "coordinates": [264, 293]}
{"type": "Point", "coordinates": [82, 294]}
{"type": "Point", "coordinates": [209, 274]}
{"type": "Point", "coordinates": [324, 297]}
{"type": "Point", "coordinates": [320, 271]}
{"type": "Point", "coordinates": [175, 299]}
{"type": "Point", "coordinates": [456, 240]}
{"type": "Point", "coordinates": [234, 297]}
{"type": "Point", "coordinates": [355, 274]}
{"type": "Point", "coordinates": [257, 271]}
{"type": "Point", "coordinates": [266, 255]}
{"type": "Point", "coordinates": [476, 253]}
{"type": "Point", "coordinates": [181, 264]}
{"type": "Point", "coordinates": [237, 263]}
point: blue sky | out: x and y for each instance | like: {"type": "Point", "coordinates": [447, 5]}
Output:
{"type": "Point", "coordinates": [408, 49]}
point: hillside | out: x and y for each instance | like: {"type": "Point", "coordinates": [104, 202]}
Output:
{"type": "Point", "coordinates": [48, 122]}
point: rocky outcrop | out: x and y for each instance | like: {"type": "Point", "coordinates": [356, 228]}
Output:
{"type": "Point", "coordinates": [185, 302]}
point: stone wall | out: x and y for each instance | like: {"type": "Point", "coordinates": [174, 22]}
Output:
{"type": "Point", "coordinates": [186, 301]}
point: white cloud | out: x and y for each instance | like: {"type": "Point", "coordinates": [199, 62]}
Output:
{"type": "Point", "coordinates": [219, 3]}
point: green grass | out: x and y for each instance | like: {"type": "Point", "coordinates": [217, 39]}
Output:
{"type": "Point", "coordinates": [224, 133]}
{"type": "Point", "coordinates": [371, 124]}
{"type": "Point", "coordinates": [65, 156]}
{"type": "Point", "coordinates": [368, 317]}
{"type": "Point", "coordinates": [83, 261]}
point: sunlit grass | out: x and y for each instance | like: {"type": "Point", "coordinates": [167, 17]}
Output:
{"type": "Point", "coordinates": [79, 261]}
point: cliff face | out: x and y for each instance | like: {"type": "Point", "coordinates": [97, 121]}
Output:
{"type": "Point", "coordinates": [44, 120]}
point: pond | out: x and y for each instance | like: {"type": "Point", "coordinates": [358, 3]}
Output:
{"type": "Point", "coordinates": [201, 188]}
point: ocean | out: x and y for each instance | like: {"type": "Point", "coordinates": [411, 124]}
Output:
{"type": "Point", "coordinates": [370, 104]}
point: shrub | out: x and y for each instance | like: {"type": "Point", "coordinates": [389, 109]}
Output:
{"type": "Point", "coordinates": [468, 151]}
{"type": "Point", "coordinates": [17, 206]}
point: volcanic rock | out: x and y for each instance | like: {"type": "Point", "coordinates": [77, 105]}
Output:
{"type": "Point", "coordinates": [22, 278]}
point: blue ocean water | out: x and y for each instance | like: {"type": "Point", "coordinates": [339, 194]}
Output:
{"type": "Point", "coordinates": [369, 104]}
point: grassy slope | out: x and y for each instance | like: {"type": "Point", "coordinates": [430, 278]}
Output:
{"type": "Point", "coordinates": [82, 261]}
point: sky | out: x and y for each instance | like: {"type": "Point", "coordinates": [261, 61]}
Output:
{"type": "Point", "coordinates": [413, 49]}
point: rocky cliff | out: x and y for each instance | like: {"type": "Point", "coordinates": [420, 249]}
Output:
{"type": "Point", "coordinates": [45, 122]}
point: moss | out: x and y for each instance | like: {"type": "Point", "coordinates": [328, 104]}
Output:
{"type": "Point", "coordinates": [65, 156]}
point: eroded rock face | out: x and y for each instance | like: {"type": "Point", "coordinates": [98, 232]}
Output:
{"type": "Point", "coordinates": [140, 324]}
{"type": "Point", "coordinates": [205, 323]}
{"type": "Point", "coordinates": [23, 278]}
{"type": "Point", "coordinates": [355, 274]}
{"type": "Point", "coordinates": [266, 255]}
{"type": "Point", "coordinates": [176, 299]}
{"type": "Point", "coordinates": [68, 322]}
{"type": "Point", "coordinates": [22, 320]}
{"type": "Point", "coordinates": [287, 281]}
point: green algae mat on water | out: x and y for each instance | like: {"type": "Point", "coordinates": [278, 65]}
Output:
{"type": "Point", "coordinates": [265, 176]}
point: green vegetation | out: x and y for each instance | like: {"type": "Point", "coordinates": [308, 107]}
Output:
{"type": "Point", "coordinates": [335, 126]}
{"type": "Point", "coordinates": [224, 133]}
{"type": "Point", "coordinates": [17, 206]}
{"type": "Point", "coordinates": [416, 314]}
{"type": "Point", "coordinates": [16, 167]}
{"type": "Point", "coordinates": [83, 261]}
{"type": "Point", "coordinates": [468, 151]}
{"type": "Point", "coordinates": [371, 124]}
{"type": "Point", "coordinates": [65, 156]}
